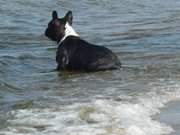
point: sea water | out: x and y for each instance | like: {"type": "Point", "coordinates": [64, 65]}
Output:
{"type": "Point", "coordinates": [37, 100]}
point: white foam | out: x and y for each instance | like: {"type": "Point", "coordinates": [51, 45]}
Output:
{"type": "Point", "coordinates": [69, 31]}
{"type": "Point", "coordinates": [105, 117]}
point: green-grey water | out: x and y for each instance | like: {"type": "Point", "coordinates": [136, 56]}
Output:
{"type": "Point", "coordinates": [36, 100]}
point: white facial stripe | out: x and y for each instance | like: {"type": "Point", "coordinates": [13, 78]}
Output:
{"type": "Point", "coordinates": [69, 31]}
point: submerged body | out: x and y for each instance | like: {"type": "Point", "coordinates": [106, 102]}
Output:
{"type": "Point", "coordinates": [76, 54]}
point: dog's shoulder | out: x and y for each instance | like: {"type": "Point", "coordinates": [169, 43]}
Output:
{"type": "Point", "coordinates": [70, 40]}
{"type": "Point", "coordinates": [77, 42]}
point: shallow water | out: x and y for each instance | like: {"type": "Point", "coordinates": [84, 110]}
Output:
{"type": "Point", "coordinates": [171, 116]}
{"type": "Point", "coordinates": [35, 100]}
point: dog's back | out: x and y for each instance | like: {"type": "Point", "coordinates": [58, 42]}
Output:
{"type": "Point", "coordinates": [76, 54]}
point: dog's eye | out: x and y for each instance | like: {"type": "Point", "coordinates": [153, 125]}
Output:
{"type": "Point", "coordinates": [52, 23]}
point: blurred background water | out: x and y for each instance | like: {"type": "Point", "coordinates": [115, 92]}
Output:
{"type": "Point", "coordinates": [36, 100]}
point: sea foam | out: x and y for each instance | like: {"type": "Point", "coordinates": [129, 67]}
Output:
{"type": "Point", "coordinates": [98, 117]}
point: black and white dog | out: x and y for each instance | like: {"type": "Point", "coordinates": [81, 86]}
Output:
{"type": "Point", "coordinates": [74, 53]}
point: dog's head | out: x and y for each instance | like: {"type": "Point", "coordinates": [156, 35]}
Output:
{"type": "Point", "coordinates": [56, 27]}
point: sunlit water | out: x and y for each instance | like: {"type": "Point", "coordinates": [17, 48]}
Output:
{"type": "Point", "coordinates": [36, 100]}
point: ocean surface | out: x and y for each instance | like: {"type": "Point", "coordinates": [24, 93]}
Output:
{"type": "Point", "coordinates": [37, 100]}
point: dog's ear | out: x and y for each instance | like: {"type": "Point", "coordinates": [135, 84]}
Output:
{"type": "Point", "coordinates": [69, 17]}
{"type": "Point", "coordinates": [54, 15]}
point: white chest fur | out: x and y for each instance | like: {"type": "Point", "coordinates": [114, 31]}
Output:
{"type": "Point", "coordinates": [69, 31]}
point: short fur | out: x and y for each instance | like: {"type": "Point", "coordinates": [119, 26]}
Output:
{"type": "Point", "coordinates": [74, 53]}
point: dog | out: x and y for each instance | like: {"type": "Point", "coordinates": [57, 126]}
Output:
{"type": "Point", "coordinates": [74, 53]}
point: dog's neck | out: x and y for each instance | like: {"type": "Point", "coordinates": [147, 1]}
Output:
{"type": "Point", "coordinates": [69, 31]}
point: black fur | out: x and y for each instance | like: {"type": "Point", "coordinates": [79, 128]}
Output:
{"type": "Point", "coordinates": [76, 54]}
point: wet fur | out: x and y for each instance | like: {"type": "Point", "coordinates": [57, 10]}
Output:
{"type": "Point", "coordinates": [74, 53]}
